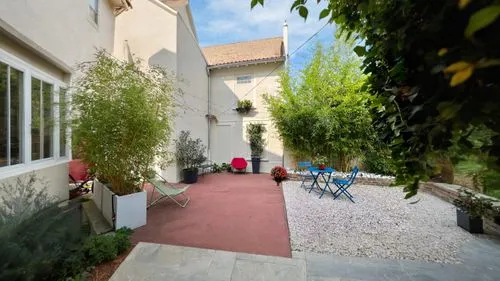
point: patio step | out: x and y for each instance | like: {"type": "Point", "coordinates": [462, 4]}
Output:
{"type": "Point", "coordinates": [98, 224]}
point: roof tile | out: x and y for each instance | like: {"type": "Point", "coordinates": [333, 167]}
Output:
{"type": "Point", "coordinates": [251, 51]}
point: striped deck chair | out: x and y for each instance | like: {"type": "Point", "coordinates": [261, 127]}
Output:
{"type": "Point", "coordinates": [167, 190]}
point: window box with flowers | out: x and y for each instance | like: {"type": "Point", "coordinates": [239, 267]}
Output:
{"type": "Point", "coordinates": [244, 106]}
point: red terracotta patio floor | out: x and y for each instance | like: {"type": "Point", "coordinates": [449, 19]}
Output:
{"type": "Point", "coordinates": [241, 213]}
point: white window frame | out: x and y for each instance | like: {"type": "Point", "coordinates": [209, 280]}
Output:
{"type": "Point", "coordinates": [30, 71]}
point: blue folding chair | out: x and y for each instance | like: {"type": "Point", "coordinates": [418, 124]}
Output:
{"type": "Point", "coordinates": [344, 184]}
{"type": "Point", "coordinates": [304, 173]}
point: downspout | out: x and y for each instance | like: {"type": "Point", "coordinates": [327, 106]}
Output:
{"type": "Point", "coordinates": [285, 53]}
{"type": "Point", "coordinates": [209, 109]}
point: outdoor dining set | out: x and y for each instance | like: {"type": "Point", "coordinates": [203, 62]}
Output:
{"type": "Point", "coordinates": [323, 180]}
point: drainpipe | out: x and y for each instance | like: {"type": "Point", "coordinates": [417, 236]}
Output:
{"type": "Point", "coordinates": [209, 109]}
{"type": "Point", "coordinates": [285, 50]}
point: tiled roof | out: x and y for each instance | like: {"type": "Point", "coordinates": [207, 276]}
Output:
{"type": "Point", "coordinates": [251, 51]}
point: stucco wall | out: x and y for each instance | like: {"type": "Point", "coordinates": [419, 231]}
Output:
{"type": "Point", "coordinates": [147, 32]}
{"type": "Point", "coordinates": [193, 80]}
{"type": "Point", "coordinates": [54, 178]}
{"type": "Point", "coordinates": [158, 35]}
{"type": "Point", "coordinates": [228, 135]}
{"type": "Point", "coordinates": [61, 27]}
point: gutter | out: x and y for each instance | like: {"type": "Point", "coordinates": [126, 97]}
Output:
{"type": "Point", "coordinates": [246, 63]}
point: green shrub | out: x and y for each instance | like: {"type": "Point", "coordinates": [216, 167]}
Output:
{"type": "Point", "coordinates": [99, 249]}
{"type": "Point", "coordinates": [104, 248]}
{"type": "Point", "coordinates": [122, 239]}
{"type": "Point", "coordinates": [379, 162]}
{"type": "Point", "coordinates": [39, 239]}
{"type": "Point", "coordinates": [226, 167]}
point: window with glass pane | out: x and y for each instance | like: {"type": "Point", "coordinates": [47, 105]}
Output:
{"type": "Point", "coordinates": [11, 114]}
{"type": "Point", "coordinates": [94, 10]}
{"type": "Point", "coordinates": [42, 123]}
{"type": "Point", "coordinates": [36, 120]}
{"type": "Point", "coordinates": [63, 126]}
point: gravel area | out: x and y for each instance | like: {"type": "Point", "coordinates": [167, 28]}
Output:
{"type": "Point", "coordinates": [380, 224]}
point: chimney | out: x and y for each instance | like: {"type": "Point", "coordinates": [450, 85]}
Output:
{"type": "Point", "coordinates": [285, 42]}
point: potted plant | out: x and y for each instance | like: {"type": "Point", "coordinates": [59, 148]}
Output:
{"type": "Point", "coordinates": [279, 174]}
{"type": "Point", "coordinates": [121, 128]}
{"type": "Point", "coordinates": [470, 210]}
{"type": "Point", "coordinates": [255, 134]}
{"type": "Point", "coordinates": [320, 162]}
{"type": "Point", "coordinates": [190, 155]}
{"type": "Point", "coordinates": [244, 106]}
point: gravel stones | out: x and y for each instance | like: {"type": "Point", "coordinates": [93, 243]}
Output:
{"type": "Point", "coordinates": [380, 224]}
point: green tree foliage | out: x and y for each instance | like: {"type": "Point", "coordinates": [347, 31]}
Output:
{"type": "Point", "coordinates": [124, 119]}
{"type": "Point", "coordinates": [190, 153]}
{"type": "Point", "coordinates": [324, 111]}
{"type": "Point", "coordinates": [434, 66]}
{"type": "Point", "coordinates": [255, 134]}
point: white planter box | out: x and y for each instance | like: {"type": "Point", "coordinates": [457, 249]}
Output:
{"type": "Point", "coordinates": [129, 210]}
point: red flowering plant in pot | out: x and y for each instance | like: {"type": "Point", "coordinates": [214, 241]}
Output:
{"type": "Point", "coordinates": [279, 174]}
{"type": "Point", "coordinates": [320, 162]}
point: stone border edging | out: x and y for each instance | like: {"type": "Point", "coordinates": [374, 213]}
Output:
{"type": "Point", "coordinates": [450, 192]}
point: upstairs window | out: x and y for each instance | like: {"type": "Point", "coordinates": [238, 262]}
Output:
{"type": "Point", "coordinates": [244, 79]}
{"type": "Point", "coordinates": [94, 11]}
{"type": "Point", "coordinates": [11, 114]}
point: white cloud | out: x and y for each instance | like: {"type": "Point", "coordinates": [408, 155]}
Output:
{"type": "Point", "coordinates": [226, 21]}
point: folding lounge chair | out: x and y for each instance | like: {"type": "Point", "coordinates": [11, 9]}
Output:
{"type": "Point", "coordinates": [344, 184]}
{"type": "Point", "coordinates": [239, 164]}
{"type": "Point", "coordinates": [167, 190]}
{"type": "Point", "coordinates": [303, 172]}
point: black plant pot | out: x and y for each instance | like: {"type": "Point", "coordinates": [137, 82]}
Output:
{"type": "Point", "coordinates": [256, 165]}
{"type": "Point", "coordinates": [190, 175]}
{"type": "Point", "coordinates": [497, 220]}
{"type": "Point", "coordinates": [471, 224]}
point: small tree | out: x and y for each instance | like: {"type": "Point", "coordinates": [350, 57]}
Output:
{"type": "Point", "coordinates": [123, 120]}
{"type": "Point", "coordinates": [324, 110]}
{"type": "Point", "coordinates": [255, 136]}
{"type": "Point", "coordinates": [190, 154]}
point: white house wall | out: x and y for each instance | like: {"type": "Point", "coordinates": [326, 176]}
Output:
{"type": "Point", "coordinates": [51, 38]}
{"type": "Point", "coordinates": [62, 28]}
{"type": "Point", "coordinates": [228, 134]}
{"type": "Point", "coordinates": [193, 80]}
{"type": "Point", "coordinates": [158, 35]}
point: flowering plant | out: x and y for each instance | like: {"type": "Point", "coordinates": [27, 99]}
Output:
{"type": "Point", "coordinates": [279, 174]}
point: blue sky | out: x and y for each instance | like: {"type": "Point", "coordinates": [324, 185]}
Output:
{"type": "Point", "coordinates": [227, 21]}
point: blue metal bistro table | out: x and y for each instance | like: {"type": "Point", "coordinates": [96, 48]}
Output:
{"type": "Point", "coordinates": [325, 174]}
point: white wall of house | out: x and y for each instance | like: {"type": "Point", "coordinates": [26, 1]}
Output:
{"type": "Point", "coordinates": [160, 35]}
{"type": "Point", "coordinates": [228, 134]}
{"type": "Point", "coordinates": [46, 40]}
{"type": "Point", "coordinates": [193, 80]}
{"type": "Point", "coordinates": [148, 32]}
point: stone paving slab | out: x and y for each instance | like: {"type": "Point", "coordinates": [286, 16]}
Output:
{"type": "Point", "coordinates": [165, 262]}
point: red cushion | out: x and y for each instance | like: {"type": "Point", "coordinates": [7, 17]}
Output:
{"type": "Point", "coordinates": [239, 163]}
{"type": "Point", "coordinates": [78, 170]}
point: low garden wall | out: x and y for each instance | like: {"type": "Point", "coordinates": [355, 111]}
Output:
{"type": "Point", "coordinates": [362, 178]}
{"type": "Point", "coordinates": [450, 192]}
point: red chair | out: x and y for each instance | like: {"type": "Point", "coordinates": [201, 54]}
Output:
{"type": "Point", "coordinates": [239, 164]}
{"type": "Point", "coordinates": [79, 174]}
